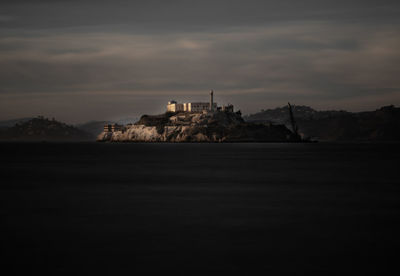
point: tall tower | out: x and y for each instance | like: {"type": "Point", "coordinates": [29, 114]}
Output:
{"type": "Point", "coordinates": [212, 100]}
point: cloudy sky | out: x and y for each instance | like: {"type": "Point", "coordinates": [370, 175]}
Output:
{"type": "Point", "coordinates": [92, 60]}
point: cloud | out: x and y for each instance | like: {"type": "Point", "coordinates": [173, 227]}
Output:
{"type": "Point", "coordinates": [165, 16]}
{"type": "Point", "coordinates": [6, 18]}
{"type": "Point", "coordinates": [315, 56]}
{"type": "Point", "coordinates": [307, 58]}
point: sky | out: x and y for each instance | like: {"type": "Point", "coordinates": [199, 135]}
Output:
{"type": "Point", "coordinates": [82, 60]}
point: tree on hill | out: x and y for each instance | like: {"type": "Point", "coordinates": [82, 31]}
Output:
{"type": "Point", "coordinates": [44, 129]}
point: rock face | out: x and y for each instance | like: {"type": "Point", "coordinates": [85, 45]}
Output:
{"type": "Point", "coordinates": [197, 127]}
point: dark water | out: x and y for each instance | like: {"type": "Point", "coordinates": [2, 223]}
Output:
{"type": "Point", "coordinates": [200, 209]}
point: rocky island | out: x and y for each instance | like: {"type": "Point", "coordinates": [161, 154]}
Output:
{"type": "Point", "coordinates": [197, 122]}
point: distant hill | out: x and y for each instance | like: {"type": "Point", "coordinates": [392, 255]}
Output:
{"type": "Point", "coordinates": [93, 127]}
{"type": "Point", "coordinates": [43, 129]}
{"type": "Point", "coordinates": [11, 123]}
{"type": "Point", "coordinates": [280, 115]}
{"type": "Point", "coordinates": [128, 120]}
{"type": "Point", "coordinates": [96, 127]}
{"type": "Point", "coordinates": [379, 125]}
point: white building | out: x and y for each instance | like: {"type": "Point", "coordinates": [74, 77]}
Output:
{"type": "Point", "coordinates": [197, 107]}
{"type": "Point", "coordinates": [173, 106]}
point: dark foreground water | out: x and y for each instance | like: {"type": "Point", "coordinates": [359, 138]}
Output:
{"type": "Point", "coordinates": [200, 209]}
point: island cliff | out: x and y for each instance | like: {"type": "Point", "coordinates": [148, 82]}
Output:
{"type": "Point", "coordinates": [207, 126]}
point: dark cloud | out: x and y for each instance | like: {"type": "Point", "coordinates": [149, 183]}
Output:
{"type": "Point", "coordinates": [184, 15]}
{"type": "Point", "coordinates": [134, 55]}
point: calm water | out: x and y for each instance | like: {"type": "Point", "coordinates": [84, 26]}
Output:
{"type": "Point", "coordinates": [200, 209]}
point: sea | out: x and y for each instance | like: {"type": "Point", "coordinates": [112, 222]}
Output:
{"type": "Point", "coordinates": [200, 209]}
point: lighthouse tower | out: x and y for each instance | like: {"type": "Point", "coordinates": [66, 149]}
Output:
{"type": "Point", "coordinates": [211, 100]}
